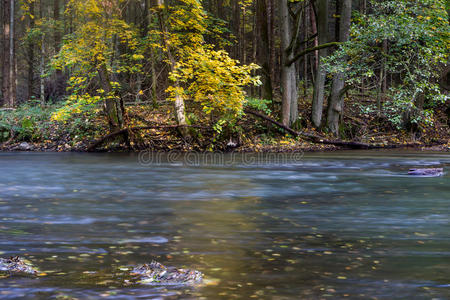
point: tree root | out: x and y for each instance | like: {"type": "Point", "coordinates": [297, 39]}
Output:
{"type": "Point", "coordinates": [12, 133]}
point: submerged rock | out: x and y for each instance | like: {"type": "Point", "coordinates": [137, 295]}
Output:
{"type": "Point", "coordinates": [432, 172]}
{"type": "Point", "coordinates": [16, 265]}
{"type": "Point", "coordinates": [158, 274]}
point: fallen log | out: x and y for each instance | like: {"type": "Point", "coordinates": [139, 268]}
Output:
{"type": "Point", "coordinates": [112, 135]}
{"type": "Point", "coordinates": [314, 138]}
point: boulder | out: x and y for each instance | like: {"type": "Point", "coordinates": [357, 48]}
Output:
{"type": "Point", "coordinates": [430, 172]}
{"type": "Point", "coordinates": [16, 265]}
{"type": "Point", "coordinates": [25, 147]}
{"type": "Point", "coordinates": [158, 274]}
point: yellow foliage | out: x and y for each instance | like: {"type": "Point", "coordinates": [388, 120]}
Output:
{"type": "Point", "coordinates": [203, 74]}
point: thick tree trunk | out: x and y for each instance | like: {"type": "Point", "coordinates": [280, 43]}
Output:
{"type": "Point", "coordinates": [336, 103]}
{"type": "Point", "coordinates": [319, 87]}
{"type": "Point", "coordinates": [112, 108]}
{"type": "Point", "coordinates": [288, 72]}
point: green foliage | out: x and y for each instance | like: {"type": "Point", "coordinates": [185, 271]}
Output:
{"type": "Point", "coordinates": [259, 104]}
{"type": "Point", "coordinates": [417, 37]}
{"type": "Point", "coordinates": [27, 122]}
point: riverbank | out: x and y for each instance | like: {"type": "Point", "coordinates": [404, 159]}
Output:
{"type": "Point", "coordinates": [30, 128]}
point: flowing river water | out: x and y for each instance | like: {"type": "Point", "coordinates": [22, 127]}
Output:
{"type": "Point", "coordinates": [319, 226]}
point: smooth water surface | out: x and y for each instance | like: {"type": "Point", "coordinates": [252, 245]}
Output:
{"type": "Point", "coordinates": [341, 225]}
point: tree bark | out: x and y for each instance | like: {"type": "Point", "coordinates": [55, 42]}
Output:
{"type": "Point", "coordinates": [112, 109]}
{"type": "Point", "coordinates": [9, 55]}
{"type": "Point", "coordinates": [12, 58]}
{"type": "Point", "coordinates": [30, 76]}
{"type": "Point", "coordinates": [180, 115]}
{"type": "Point", "coordinates": [5, 51]}
{"type": "Point", "coordinates": [319, 87]}
{"type": "Point", "coordinates": [42, 61]}
{"type": "Point", "coordinates": [56, 17]}
{"type": "Point", "coordinates": [263, 48]}
{"type": "Point", "coordinates": [288, 72]}
{"type": "Point", "coordinates": [336, 103]}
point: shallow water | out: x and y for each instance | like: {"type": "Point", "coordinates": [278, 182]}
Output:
{"type": "Point", "coordinates": [339, 225]}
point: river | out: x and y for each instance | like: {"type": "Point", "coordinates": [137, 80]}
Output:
{"type": "Point", "coordinates": [322, 225]}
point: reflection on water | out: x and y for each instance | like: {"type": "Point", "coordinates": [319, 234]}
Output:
{"type": "Point", "coordinates": [342, 225]}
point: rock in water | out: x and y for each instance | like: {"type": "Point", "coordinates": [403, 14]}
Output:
{"type": "Point", "coordinates": [16, 265]}
{"type": "Point", "coordinates": [431, 172]}
{"type": "Point", "coordinates": [158, 274]}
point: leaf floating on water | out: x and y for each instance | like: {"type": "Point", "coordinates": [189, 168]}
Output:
{"type": "Point", "coordinates": [421, 234]}
{"type": "Point", "coordinates": [341, 277]}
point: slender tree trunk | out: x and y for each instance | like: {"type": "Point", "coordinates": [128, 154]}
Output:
{"type": "Point", "coordinates": [56, 17]}
{"type": "Point", "coordinates": [243, 41]}
{"type": "Point", "coordinates": [288, 72]}
{"type": "Point", "coordinates": [180, 115]}
{"type": "Point", "coordinates": [319, 87]}
{"type": "Point", "coordinates": [9, 55]}
{"type": "Point", "coordinates": [305, 59]}
{"type": "Point", "coordinates": [272, 59]}
{"type": "Point", "coordinates": [12, 59]}
{"type": "Point", "coordinates": [385, 50]}
{"type": "Point", "coordinates": [30, 76]}
{"type": "Point", "coordinates": [42, 61]}
{"type": "Point", "coordinates": [263, 48]}
{"type": "Point", "coordinates": [336, 105]}
{"type": "Point", "coordinates": [314, 32]}
{"type": "Point", "coordinates": [5, 53]}
{"type": "Point", "coordinates": [153, 56]}
{"type": "Point", "coordinates": [236, 28]}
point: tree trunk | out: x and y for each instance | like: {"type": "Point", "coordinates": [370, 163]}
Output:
{"type": "Point", "coordinates": [5, 52]}
{"type": "Point", "coordinates": [42, 61]}
{"type": "Point", "coordinates": [112, 108]}
{"type": "Point", "coordinates": [272, 59]}
{"type": "Point", "coordinates": [180, 115]}
{"type": "Point", "coordinates": [30, 76]}
{"type": "Point", "coordinates": [56, 17]}
{"type": "Point", "coordinates": [263, 49]}
{"type": "Point", "coordinates": [288, 72]}
{"type": "Point", "coordinates": [319, 87]}
{"type": "Point", "coordinates": [9, 55]}
{"type": "Point", "coordinates": [336, 104]}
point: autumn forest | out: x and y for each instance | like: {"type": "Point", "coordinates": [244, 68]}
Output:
{"type": "Point", "coordinates": [221, 75]}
